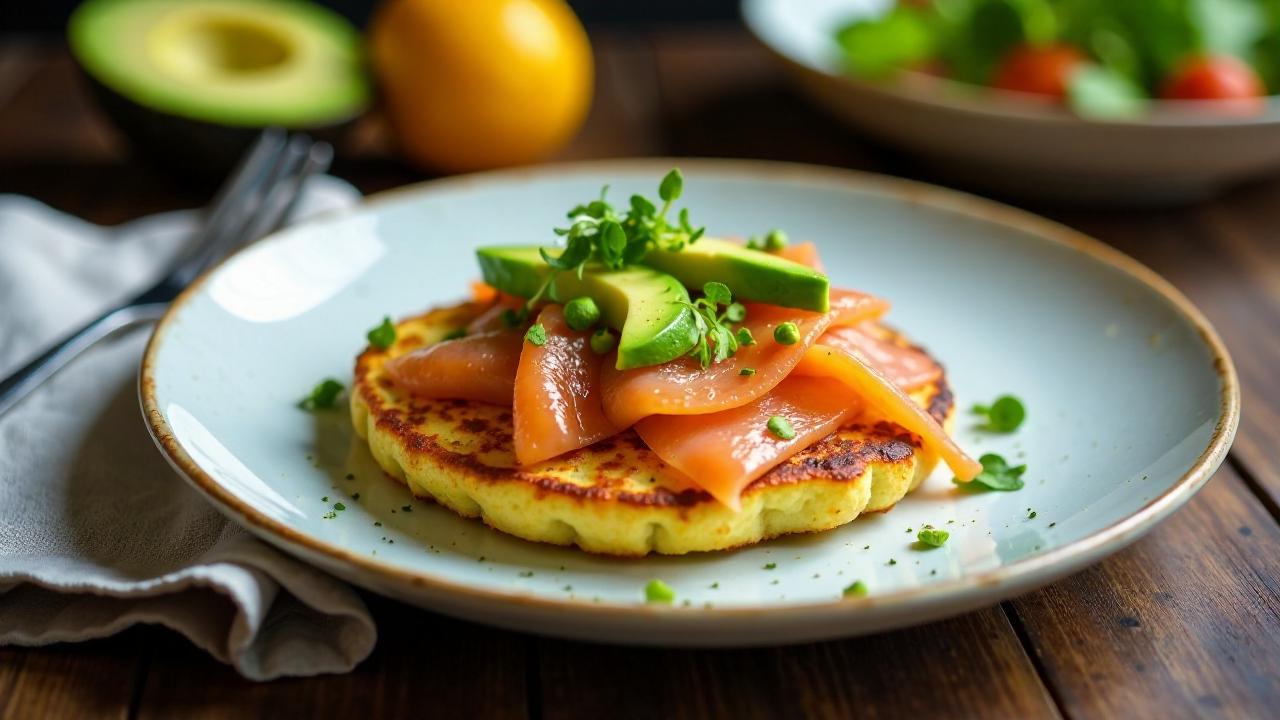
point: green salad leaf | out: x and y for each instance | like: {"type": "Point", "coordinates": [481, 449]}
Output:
{"type": "Point", "coordinates": [1133, 46]}
{"type": "Point", "coordinates": [876, 47]}
{"type": "Point", "coordinates": [1103, 93]}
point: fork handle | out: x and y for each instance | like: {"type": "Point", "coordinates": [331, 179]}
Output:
{"type": "Point", "coordinates": [28, 377]}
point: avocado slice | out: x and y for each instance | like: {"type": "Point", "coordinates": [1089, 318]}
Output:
{"type": "Point", "coordinates": [750, 274]}
{"type": "Point", "coordinates": [191, 82]}
{"type": "Point", "coordinates": [648, 307]}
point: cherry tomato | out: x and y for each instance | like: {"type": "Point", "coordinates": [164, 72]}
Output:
{"type": "Point", "coordinates": [1212, 77]}
{"type": "Point", "coordinates": [1038, 69]}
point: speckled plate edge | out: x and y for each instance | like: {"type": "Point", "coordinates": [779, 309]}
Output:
{"type": "Point", "coordinates": [697, 625]}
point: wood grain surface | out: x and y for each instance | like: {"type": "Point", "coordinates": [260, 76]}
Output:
{"type": "Point", "coordinates": [1185, 623]}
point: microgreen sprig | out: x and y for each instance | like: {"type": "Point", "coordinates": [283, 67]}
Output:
{"type": "Point", "coordinates": [716, 340]}
{"type": "Point", "coordinates": [598, 232]}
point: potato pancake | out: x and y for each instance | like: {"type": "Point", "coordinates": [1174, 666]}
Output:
{"type": "Point", "coordinates": [617, 497]}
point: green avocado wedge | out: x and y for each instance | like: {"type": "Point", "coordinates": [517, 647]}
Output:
{"type": "Point", "coordinates": [648, 307]}
{"type": "Point", "coordinates": [750, 274]}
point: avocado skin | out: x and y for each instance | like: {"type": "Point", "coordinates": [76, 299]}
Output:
{"type": "Point", "coordinates": [197, 151]}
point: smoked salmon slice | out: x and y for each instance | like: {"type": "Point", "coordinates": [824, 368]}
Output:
{"type": "Point", "coordinates": [887, 401]}
{"type": "Point", "coordinates": [557, 393]}
{"type": "Point", "coordinates": [725, 451]}
{"type": "Point", "coordinates": [475, 367]}
{"type": "Point", "coordinates": [683, 387]}
{"type": "Point", "coordinates": [908, 367]}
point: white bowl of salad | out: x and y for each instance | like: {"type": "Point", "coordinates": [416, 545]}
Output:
{"type": "Point", "coordinates": [1090, 101]}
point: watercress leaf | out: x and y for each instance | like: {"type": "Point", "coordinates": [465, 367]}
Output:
{"type": "Point", "coordinates": [323, 396]}
{"type": "Point", "coordinates": [726, 344]}
{"type": "Point", "coordinates": [736, 312]}
{"type": "Point", "coordinates": [641, 207]}
{"type": "Point", "coordinates": [671, 187]}
{"type": "Point", "coordinates": [384, 335]}
{"type": "Point", "coordinates": [717, 293]}
{"type": "Point", "coordinates": [635, 252]}
{"type": "Point", "coordinates": [613, 241]}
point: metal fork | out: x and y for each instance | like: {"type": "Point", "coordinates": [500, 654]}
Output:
{"type": "Point", "coordinates": [254, 201]}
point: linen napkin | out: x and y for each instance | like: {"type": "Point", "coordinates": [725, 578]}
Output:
{"type": "Point", "coordinates": [97, 533]}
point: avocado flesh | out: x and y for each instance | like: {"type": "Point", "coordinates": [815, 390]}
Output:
{"type": "Point", "coordinates": [233, 62]}
{"type": "Point", "coordinates": [648, 307]}
{"type": "Point", "coordinates": [191, 82]}
{"type": "Point", "coordinates": [750, 274]}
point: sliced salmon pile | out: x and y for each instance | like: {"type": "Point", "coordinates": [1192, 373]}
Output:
{"type": "Point", "coordinates": [908, 367]}
{"type": "Point", "coordinates": [684, 387]}
{"type": "Point", "coordinates": [557, 394]}
{"type": "Point", "coordinates": [708, 423]}
{"type": "Point", "coordinates": [724, 451]}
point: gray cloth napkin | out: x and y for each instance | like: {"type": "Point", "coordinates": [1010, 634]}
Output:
{"type": "Point", "coordinates": [97, 533]}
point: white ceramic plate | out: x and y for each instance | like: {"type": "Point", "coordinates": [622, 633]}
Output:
{"type": "Point", "coordinates": [1001, 141]}
{"type": "Point", "coordinates": [1132, 403]}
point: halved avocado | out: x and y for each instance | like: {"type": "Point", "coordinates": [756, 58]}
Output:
{"type": "Point", "coordinates": [649, 308]}
{"type": "Point", "coordinates": [193, 81]}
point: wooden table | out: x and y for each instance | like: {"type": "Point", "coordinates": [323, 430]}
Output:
{"type": "Point", "coordinates": [1185, 623]}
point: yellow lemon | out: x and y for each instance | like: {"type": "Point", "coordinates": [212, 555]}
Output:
{"type": "Point", "coordinates": [482, 83]}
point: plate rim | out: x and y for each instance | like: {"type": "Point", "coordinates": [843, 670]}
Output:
{"type": "Point", "coordinates": [1024, 573]}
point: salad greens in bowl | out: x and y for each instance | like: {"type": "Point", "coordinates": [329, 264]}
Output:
{"type": "Point", "coordinates": [1102, 58]}
{"type": "Point", "coordinates": [1093, 101]}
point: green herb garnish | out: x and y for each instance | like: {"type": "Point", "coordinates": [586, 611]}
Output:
{"type": "Point", "coordinates": [536, 335]}
{"type": "Point", "coordinates": [1003, 415]}
{"type": "Point", "coordinates": [932, 536]}
{"type": "Point", "coordinates": [745, 337]}
{"type": "Point", "coordinates": [788, 333]}
{"type": "Point", "coordinates": [855, 589]}
{"type": "Point", "coordinates": [597, 232]}
{"type": "Point", "coordinates": [581, 313]}
{"type": "Point", "coordinates": [747, 372]}
{"type": "Point", "coordinates": [996, 474]}
{"type": "Point", "coordinates": [603, 340]}
{"type": "Point", "coordinates": [339, 507]}
{"type": "Point", "coordinates": [716, 342]}
{"type": "Point", "coordinates": [770, 566]}
{"type": "Point", "coordinates": [775, 240]}
{"type": "Point", "coordinates": [383, 336]}
{"type": "Point", "coordinates": [781, 428]}
{"type": "Point", "coordinates": [323, 396]}
{"type": "Point", "coordinates": [454, 334]}
{"type": "Point", "coordinates": [659, 592]}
